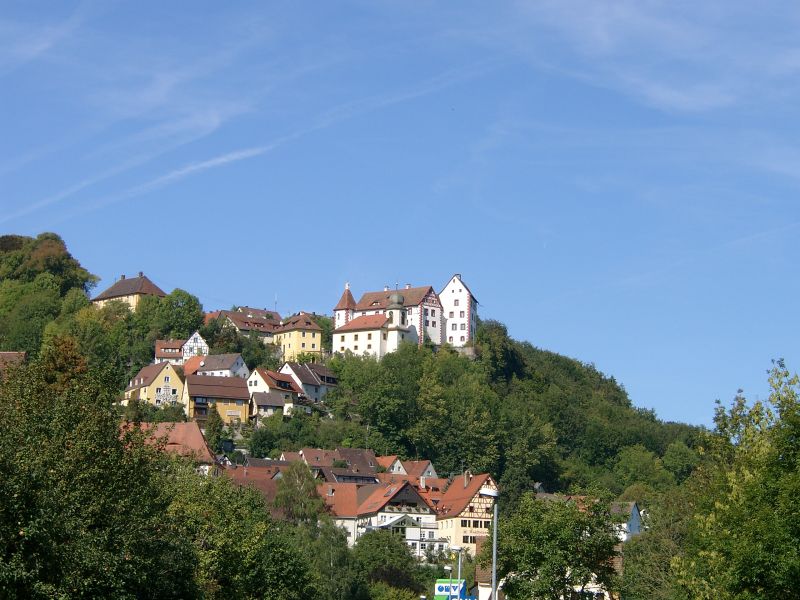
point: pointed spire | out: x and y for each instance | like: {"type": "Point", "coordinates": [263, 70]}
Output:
{"type": "Point", "coordinates": [346, 302]}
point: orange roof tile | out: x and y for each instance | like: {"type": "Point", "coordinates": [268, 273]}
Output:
{"type": "Point", "coordinates": [411, 297]}
{"type": "Point", "coordinates": [346, 301]}
{"type": "Point", "coordinates": [183, 439]}
{"type": "Point", "coordinates": [364, 322]}
{"type": "Point", "coordinates": [192, 364]}
{"type": "Point", "coordinates": [458, 496]}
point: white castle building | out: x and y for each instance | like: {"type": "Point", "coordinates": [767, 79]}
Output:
{"type": "Point", "coordinates": [380, 321]}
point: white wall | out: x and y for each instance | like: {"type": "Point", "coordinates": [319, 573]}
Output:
{"type": "Point", "coordinates": [458, 302]}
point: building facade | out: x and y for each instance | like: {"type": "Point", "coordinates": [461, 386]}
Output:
{"type": "Point", "coordinates": [460, 311]}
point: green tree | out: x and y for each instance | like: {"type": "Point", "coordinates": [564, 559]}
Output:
{"type": "Point", "coordinates": [384, 557]}
{"type": "Point", "coordinates": [297, 494]}
{"type": "Point", "coordinates": [84, 510]}
{"type": "Point", "coordinates": [680, 460]}
{"type": "Point", "coordinates": [548, 549]}
{"type": "Point", "coordinates": [179, 315]}
{"type": "Point", "coordinates": [745, 536]}
{"type": "Point", "coordinates": [214, 429]}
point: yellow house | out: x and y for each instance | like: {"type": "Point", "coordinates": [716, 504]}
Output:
{"type": "Point", "coordinates": [298, 335]}
{"type": "Point", "coordinates": [128, 290]}
{"type": "Point", "coordinates": [229, 394]}
{"type": "Point", "coordinates": [155, 384]}
{"type": "Point", "coordinates": [464, 514]}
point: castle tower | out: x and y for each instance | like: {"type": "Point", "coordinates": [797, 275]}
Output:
{"type": "Point", "coordinates": [343, 311]}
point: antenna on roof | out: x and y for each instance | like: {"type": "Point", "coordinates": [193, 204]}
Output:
{"type": "Point", "coordinates": [275, 306]}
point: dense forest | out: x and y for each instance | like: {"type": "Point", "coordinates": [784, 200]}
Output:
{"type": "Point", "coordinates": [532, 418]}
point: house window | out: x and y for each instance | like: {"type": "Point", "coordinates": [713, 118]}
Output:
{"type": "Point", "coordinates": [468, 539]}
{"type": "Point", "coordinates": [422, 546]}
{"type": "Point", "coordinates": [166, 379]}
{"type": "Point", "coordinates": [410, 311]}
{"type": "Point", "coordinates": [451, 314]}
{"type": "Point", "coordinates": [450, 339]}
{"type": "Point", "coordinates": [463, 326]}
{"type": "Point", "coordinates": [158, 390]}
{"type": "Point", "coordinates": [433, 312]}
{"type": "Point", "coordinates": [462, 338]}
{"type": "Point", "coordinates": [465, 522]}
{"type": "Point", "coordinates": [430, 535]}
{"type": "Point", "coordinates": [426, 312]}
{"type": "Point", "coordinates": [355, 347]}
{"type": "Point", "coordinates": [426, 322]}
{"type": "Point", "coordinates": [455, 302]}
{"type": "Point", "coordinates": [461, 314]}
{"type": "Point", "coordinates": [384, 336]}
{"type": "Point", "coordinates": [304, 333]}
{"type": "Point", "coordinates": [313, 346]}
{"type": "Point", "coordinates": [433, 323]}
{"type": "Point", "coordinates": [355, 338]}
{"type": "Point", "coordinates": [476, 524]}
{"type": "Point", "coordinates": [369, 346]}
{"type": "Point", "coordinates": [369, 336]}
{"type": "Point", "coordinates": [342, 339]}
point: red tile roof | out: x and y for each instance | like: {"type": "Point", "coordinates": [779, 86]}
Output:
{"type": "Point", "coordinates": [346, 301]}
{"type": "Point", "coordinates": [386, 461]}
{"type": "Point", "coordinates": [341, 499]}
{"type": "Point", "coordinates": [183, 439]}
{"type": "Point", "coordinates": [416, 468]}
{"type": "Point", "coordinates": [163, 345]}
{"type": "Point", "coordinates": [192, 364]}
{"type": "Point", "coordinates": [377, 300]}
{"type": "Point", "coordinates": [130, 286]}
{"type": "Point", "coordinates": [210, 386]}
{"type": "Point", "coordinates": [365, 322]}
{"type": "Point", "coordinates": [243, 322]}
{"type": "Point", "coordinates": [458, 496]}
{"type": "Point", "coordinates": [262, 313]}
{"type": "Point", "coordinates": [271, 378]}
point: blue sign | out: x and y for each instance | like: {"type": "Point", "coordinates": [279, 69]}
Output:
{"type": "Point", "coordinates": [447, 589]}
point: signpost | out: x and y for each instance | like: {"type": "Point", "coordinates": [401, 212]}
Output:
{"type": "Point", "coordinates": [450, 589]}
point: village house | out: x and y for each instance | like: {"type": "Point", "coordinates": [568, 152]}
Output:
{"type": "Point", "coordinates": [129, 291]}
{"type": "Point", "coordinates": [264, 380]}
{"type": "Point", "coordinates": [184, 440]}
{"type": "Point", "coordinates": [157, 384]}
{"type": "Point", "coordinates": [397, 507]}
{"type": "Point", "coordinates": [223, 365]}
{"type": "Point", "coordinates": [179, 351]}
{"type": "Point", "coordinates": [246, 321]}
{"type": "Point", "coordinates": [297, 335]}
{"type": "Point", "coordinates": [314, 379]}
{"type": "Point", "coordinates": [230, 395]}
{"type": "Point", "coordinates": [464, 514]}
{"type": "Point", "coordinates": [265, 404]}
{"type": "Point", "coordinates": [414, 469]}
{"type": "Point", "coordinates": [460, 310]}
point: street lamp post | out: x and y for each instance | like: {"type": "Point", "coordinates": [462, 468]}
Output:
{"type": "Point", "coordinates": [449, 569]}
{"type": "Point", "coordinates": [493, 494]}
{"type": "Point", "coordinates": [458, 549]}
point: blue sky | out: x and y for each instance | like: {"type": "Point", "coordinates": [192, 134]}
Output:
{"type": "Point", "coordinates": [616, 181]}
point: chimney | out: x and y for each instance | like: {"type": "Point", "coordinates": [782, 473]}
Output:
{"type": "Point", "coordinates": [122, 276]}
{"type": "Point", "coordinates": [141, 274]}
{"type": "Point", "coordinates": [408, 286]}
{"type": "Point", "coordinates": [467, 477]}
{"type": "Point", "coordinates": [422, 482]}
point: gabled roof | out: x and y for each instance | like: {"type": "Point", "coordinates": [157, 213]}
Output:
{"type": "Point", "coordinates": [192, 364]}
{"type": "Point", "coordinates": [386, 461]}
{"type": "Point", "coordinates": [298, 322]}
{"type": "Point", "coordinates": [163, 345]}
{"type": "Point", "coordinates": [291, 456]}
{"type": "Point", "coordinates": [260, 479]}
{"type": "Point", "coordinates": [464, 283]}
{"type": "Point", "coordinates": [317, 457]}
{"type": "Point", "coordinates": [364, 323]}
{"type": "Point", "coordinates": [461, 493]}
{"type": "Point", "coordinates": [341, 499]}
{"type": "Point", "coordinates": [359, 460]}
{"type": "Point", "coordinates": [183, 439]}
{"type": "Point", "coordinates": [243, 322]}
{"type": "Point", "coordinates": [271, 378]}
{"type": "Point", "coordinates": [346, 302]}
{"type": "Point", "coordinates": [262, 313]}
{"type": "Point", "coordinates": [271, 399]}
{"type": "Point", "coordinates": [311, 373]}
{"type": "Point", "coordinates": [412, 296]}
{"type": "Point", "coordinates": [211, 386]}
{"type": "Point", "coordinates": [129, 287]}
{"type": "Point", "coordinates": [380, 495]}
{"type": "Point", "coordinates": [218, 362]}
{"type": "Point", "coordinates": [146, 375]}
{"type": "Point", "coordinates": [416, 468]}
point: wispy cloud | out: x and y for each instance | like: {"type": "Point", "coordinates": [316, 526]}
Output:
{"type": "Point", "coordinates": [21, 43]}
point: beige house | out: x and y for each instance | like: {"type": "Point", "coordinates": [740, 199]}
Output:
{"type": "Point", "coordinates": [128, 290]}
{"type": "Point", "coordinates": [155, 384]}
{"type": "Point", "coordinates": [229, 394]}
{"type": "Point", "coordinates": [465, 515]}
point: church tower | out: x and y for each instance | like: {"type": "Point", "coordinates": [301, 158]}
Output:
{"type": "Point", "coordinates": [344, 309]}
